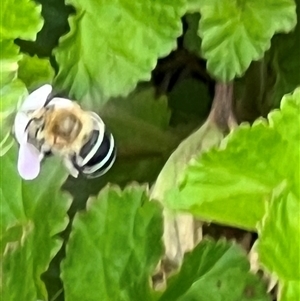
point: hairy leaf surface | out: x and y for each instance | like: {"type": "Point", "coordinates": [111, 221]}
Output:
{"type": "Point", "coordinates": [290, 290]}
{"type": "Point", "coordinates": [112, 46]}
{"type": "Point", "coordinates": [279, 245]}
{"type": "Point", "coordinates": [286, 66]}
{"type": "Point", "coordinates": [120, 236]}
{"type": "Point", "coordinates": [234, 33]}
{"type": "Point", "coordinates": [20, 19]}
{"type": "Point", "coordinates": [35, 72]}
{"type": "Point", "coordinates": [207, 136]}
{"type": "Point", "coordinates": [32, 214]}
{"type": "Point", "coordinates": [215, 271]}
{"type": "Point", "coordinates": [231, 184]}
{"type": "Point", "coordinates": [12, 90]}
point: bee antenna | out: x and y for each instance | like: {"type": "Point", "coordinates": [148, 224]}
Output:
{"type": "Point", "coordinates": [29, 122]}
{"type": "Point", "coordinates": [27, 125]}
{"type": "Point", "coordinates": [48, 99]}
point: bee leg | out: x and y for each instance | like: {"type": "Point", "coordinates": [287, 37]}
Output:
{"type": "Point", "coordinates": [79, 161]}
{"type": "Point", "coordinates": [41, 156]}
{"type": "Point", "coordinates": [45, 148]}
{"type": "Point", "coordinates": [70, 167]}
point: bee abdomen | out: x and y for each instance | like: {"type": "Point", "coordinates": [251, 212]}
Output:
{"type": "Point", "coordinates": [98, 155]}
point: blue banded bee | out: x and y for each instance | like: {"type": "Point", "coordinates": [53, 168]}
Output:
{"type": "Point", "coordinates": [60, 127]}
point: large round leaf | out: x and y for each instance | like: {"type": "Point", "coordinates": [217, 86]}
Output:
{"type": "Point", "coordinates": [114, 247]}
{"type": "Point", "coordinates": [231, 184]}
{"type": "Point", "coordinates": [113, 45]}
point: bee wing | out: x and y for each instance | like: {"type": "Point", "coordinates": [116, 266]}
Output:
{"type": "Point", "coordinates": [28, 161]}
{"type": "Point", "coordinates": [36, 99]}
{"type": "Point", "coordinates": [21, 121]}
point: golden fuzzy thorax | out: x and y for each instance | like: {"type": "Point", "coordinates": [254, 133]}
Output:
{"type": "Point", "coordinates": [67, 130]}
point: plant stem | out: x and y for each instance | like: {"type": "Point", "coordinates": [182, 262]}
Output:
{"type": "Point", "coordinates": [221, 111]}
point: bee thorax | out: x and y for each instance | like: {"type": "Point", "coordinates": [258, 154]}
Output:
{"type": "Point", "coordinates": [65, 128]}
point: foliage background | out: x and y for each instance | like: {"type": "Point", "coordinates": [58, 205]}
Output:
{"type": "Point", "coordinates": [151, 70]}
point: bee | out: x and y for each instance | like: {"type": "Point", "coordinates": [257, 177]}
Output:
{"type": "Point", "coordinates": [58, 126]}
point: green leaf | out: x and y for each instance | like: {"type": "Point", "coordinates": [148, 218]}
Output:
{"type": "Point", "coordinates": [55, 14]}
{"type": "Point", "coordinates": [20, 19]}
{"type": "Point", "coordinates": [12, 91]}
{"type": "Point", "coordinates": [144, 106]}
{"type": "Point", "coordinates": [278, 244]}
{"type": "Point", "coordinates": [289, 291]}
{"type": "Point", "coordinates": [6, 142]}
{"type": "Point", "coordinates": [145, 116]}
{"type": "Point", "coordinates": [286, 66]}
{"type": "Point", "coordinates": [112, 46]}
{"type": "Point", "coordinates": [191, 40]}
{"type": "Point", "coordinates": [35, 72]}
{"type": "Point", "coordinates": [286, 123]}
{"type": "Point", "coordinates": [189, 100]}
{"type": "Point", "coordinates": [215, 271]}
{"type": "Point", "coordinates": [10, 97]}
{"type": "Point", "coordinates": [31, 218]}
{"type": "Point", "coordinates": [9, 57]}
{"type": "Point", "coordinates": [234, 33]}
{"type": "Point", "coordinates": [231, 184]}
{"type": "Point", "coordinates": [207, 136]}
{"type": "Point", "coordinates": [120, 233]}
{"type": "Point", "coordinates": [193, 6]}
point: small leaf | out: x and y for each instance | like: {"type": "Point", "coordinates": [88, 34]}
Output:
{"type": "Point", "coordinates": [31, 218]}
{"type": "Point", "coordinates": [120, 234]}
{"type": "Point", "coordinates": [234, 33]}
{"type": "Point", "coordinates": [35, 72]}
{"type": "Point", "coordinates": [191, 40]}
{"type": "Point", "coordinates": [129, 40]}
{"type": "Point", "coordinates": [231, 184]}
{"type": "Point", "coordinates": [215, 271]}
{"type": "Point", "coordinates": [20, 19]}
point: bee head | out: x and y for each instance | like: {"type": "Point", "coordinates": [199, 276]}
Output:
{"type": "Point", "coordinates": [35, 128]}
